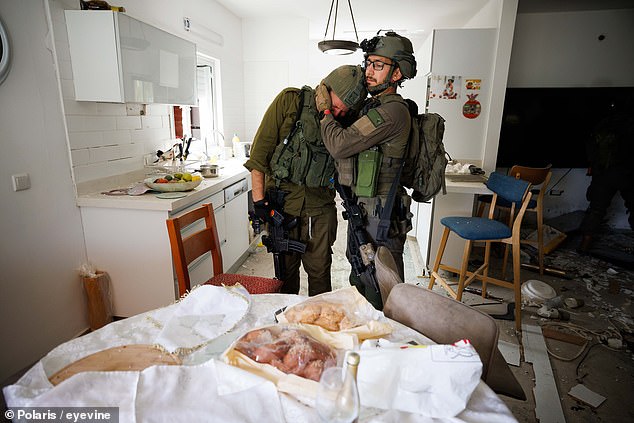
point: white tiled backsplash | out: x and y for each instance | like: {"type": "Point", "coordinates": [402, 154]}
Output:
{"type": "Point", "coordinates": [106, 139]}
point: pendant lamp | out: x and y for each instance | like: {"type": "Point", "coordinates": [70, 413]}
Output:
{"type": "Point", "coordinates": [338, 47]}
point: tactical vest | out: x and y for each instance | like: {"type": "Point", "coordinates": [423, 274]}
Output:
{"type": "Point", "coordinates": [302, 158]}
{"type": "Point", "coordinates": [390, 155]}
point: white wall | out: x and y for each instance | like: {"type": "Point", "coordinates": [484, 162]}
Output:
{"type": "Point", "coordinates": [562, 50]}
{"type": "Point", "coordinates": [41, 296]}
{"type": "Point", "coordinates": [108, 139]}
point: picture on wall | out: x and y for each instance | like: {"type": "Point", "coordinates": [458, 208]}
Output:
{"type": "Point", "coordinates": [445, 87]}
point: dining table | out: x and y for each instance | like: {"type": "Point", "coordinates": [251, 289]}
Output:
{"type": "Point", "coordinates": [203, 387]}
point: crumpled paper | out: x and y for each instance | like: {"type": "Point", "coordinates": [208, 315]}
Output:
{"type": "Point", "coordinates": [432, 380]}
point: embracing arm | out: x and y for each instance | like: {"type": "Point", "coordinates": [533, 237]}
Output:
{"type": "Point", "coordinates": [257, 185]}
{"type": "Point", "coordinates": [365, 133]}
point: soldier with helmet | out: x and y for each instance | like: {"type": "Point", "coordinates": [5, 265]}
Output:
{"type": "Point", "coordinates": [369, 153]}
{"type": "Point", "coordinates": [288, 160]}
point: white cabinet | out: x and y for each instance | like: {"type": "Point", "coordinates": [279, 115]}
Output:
{"type": "Point", "coordinates": [116, 58]}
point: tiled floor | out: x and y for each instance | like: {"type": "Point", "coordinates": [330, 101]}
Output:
{"type": "Point", "coordinates": [606, 289]}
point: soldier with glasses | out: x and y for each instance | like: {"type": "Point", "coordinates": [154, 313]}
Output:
{"type": "Point", "coordinates": [369, 153]}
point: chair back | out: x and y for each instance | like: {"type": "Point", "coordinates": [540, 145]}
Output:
{"type": "Point", "coordinates": [187, 249]}
{"type": "Point", "coordinates": [535, 175]}
{"type": "Point", "coordinates": [538, 177]}
{"type": "Point", "coordinates": [445, 321]}
{"type": "Point", "coordinates": [509, 188]}
{"type": "Point", "coordinates": [386, 272]}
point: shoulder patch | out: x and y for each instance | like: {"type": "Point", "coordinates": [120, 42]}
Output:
{"type": "Point", "coordinates": [364, 125]}
{"type": "Point", "coordinates": [375, 117]}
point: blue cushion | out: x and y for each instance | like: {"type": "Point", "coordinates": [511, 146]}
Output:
{"type": "Point", "coordinates": [507, 187]}
{"type": "Point", "coordinates": [476, 228]}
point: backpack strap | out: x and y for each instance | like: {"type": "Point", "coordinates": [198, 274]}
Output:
{"type": "Point", "coordinates": [298, 115]}
{"type": "Point", "coordinates": [384, 222]}
{"type": "Point", "coordinates": [294, 129]}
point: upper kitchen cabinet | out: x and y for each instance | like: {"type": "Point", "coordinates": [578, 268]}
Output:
{"type": "Point", "coordinates": [118, 59]}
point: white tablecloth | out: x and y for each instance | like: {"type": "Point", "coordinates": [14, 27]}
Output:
{"type": "Point", "coordinates": [204, 388]}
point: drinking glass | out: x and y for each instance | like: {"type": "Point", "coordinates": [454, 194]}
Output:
{"type": "Point", "coordinates": [337, 402]}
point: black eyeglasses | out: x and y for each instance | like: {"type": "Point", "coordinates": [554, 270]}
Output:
{"type": "Point", "coordinates": [376, 64]}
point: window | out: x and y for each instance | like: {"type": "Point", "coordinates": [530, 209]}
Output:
{"type": "Point", "coordinates": [203, 122]}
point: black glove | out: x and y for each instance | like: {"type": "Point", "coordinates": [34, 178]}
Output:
{"type": "Point", "coordinates": [262, 210]}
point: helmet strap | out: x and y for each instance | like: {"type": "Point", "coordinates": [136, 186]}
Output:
{"type": "Point", "coordinates": [379, 89]}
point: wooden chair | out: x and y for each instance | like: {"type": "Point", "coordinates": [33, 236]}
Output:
{"type": "Point", "coordinates": [487, 230]}
{"type": "Point", "coordinates": [187, 249]}
{"type": "Point", "coordinates": [539, 177]}
{"type": "Point", "coordinates": [445, 321]}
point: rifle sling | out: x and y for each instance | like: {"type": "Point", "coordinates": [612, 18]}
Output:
{"type": "Point", "coordinates": [384, 222]}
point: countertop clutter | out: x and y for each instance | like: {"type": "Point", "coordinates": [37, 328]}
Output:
{"type": "Point", "coordinates": [90, 194]}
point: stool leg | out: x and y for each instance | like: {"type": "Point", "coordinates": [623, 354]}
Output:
{"type": "Point", "coordinates": [463, 269]}
{"type": "Point", "coordinates": [485, 272]}
{"type": "Point", "coordinates": [441, 251]}
{"type": "Point", "coordinates": [540, 239]}
{"type": "Point", "coordinates": [516, 285]}
{"type": "Point", "coordinates": [505, 260]}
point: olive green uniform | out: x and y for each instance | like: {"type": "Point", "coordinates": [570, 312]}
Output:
{"type": "Point", "coordinates": [384, 126]}
{"type": "Point", "coordinates": [315, 207]}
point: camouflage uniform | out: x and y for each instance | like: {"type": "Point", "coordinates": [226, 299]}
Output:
{"type": "Point", "coordinates": [315, 207]}
{"type": "Point", "coordinates": [385, 125]}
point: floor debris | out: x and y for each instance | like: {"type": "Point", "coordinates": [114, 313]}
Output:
{"type": "Point", "coordinates": [586, 396]}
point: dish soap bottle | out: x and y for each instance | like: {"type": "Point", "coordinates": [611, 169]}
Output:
{"type": "Point", "coordinates": [235, 142]}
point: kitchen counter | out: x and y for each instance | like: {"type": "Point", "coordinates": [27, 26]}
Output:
{"type": "Point", "coordinates": [91, 194]}
{"type": "Point", "coordinates": [126, 236]}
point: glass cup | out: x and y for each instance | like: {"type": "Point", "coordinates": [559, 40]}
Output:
{"type": "Point", "coordinates": [337, 402]}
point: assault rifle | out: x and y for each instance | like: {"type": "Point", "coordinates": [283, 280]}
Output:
{"type": "Point", "coordinates": [360, 249]}
{"type": "Point", "coordinates": [277, 241]}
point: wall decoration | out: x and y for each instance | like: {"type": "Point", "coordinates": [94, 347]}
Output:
{"type": "Point", "coordinates": [472, 84]}
{"type": "Point", "coordinates": [472, 108]}
{"type": "Point", "coordinates": [445, 87]}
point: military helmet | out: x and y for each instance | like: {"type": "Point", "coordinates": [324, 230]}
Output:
{"type": "Point", "coordinates": [348, 82]}
{"type": "Point", "coordinates": [395, 47]}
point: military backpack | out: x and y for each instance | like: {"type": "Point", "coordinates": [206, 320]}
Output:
{"type": "Point", "coordinates": [302, 158]}
{"type": "Point", "coordinates": [425, 158]}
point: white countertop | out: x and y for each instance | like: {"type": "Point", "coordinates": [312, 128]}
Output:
{"type": "Point", "coordinates": [466, 187]}
{"type": "Point", "coordinates": [231, 172]}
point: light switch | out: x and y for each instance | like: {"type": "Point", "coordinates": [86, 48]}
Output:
{"type": "Point", "coordinates": [21, 181]}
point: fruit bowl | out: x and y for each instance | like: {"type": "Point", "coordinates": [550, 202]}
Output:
{"type": "Point", "coordinates": [172, 186]}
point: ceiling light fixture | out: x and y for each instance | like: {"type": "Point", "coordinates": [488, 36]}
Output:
{"type": "Point", "coordinates": [338, 46]}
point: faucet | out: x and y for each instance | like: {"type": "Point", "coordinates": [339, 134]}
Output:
{"type": "Point", "coordinates": [214, 132]}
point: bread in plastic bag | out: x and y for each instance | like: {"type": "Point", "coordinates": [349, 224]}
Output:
{"type": "Point", "coordinates": [344, 310]}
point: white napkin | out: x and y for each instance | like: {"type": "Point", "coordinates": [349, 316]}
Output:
{"type": "Point", "coordinates": [432, 380]}
{"type": "Point", "coordinates": [210, 392]}
{"type": "Point", "coordinates": [204, 314]}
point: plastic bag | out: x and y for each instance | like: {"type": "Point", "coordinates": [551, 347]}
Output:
{"type": "Point", "coordinates": [290, 350]}
{"type": "Point", "coordinates": [344, 310]}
